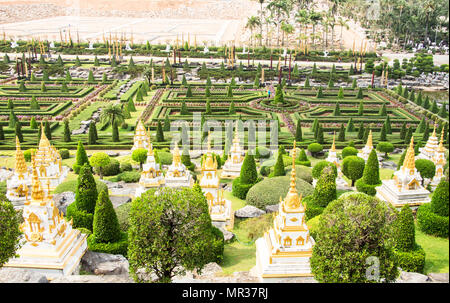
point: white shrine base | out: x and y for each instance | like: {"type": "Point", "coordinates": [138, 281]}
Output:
{"type": "Point", "coordinates": [223, 219]}
{"type": "Point", "coordinates": [279, 269]}
{"type": "Point", "coordinates": [49, 264]}
{"type": "Point", "coordinates": [231, 171]}
{"type": "Point", "coordinates": [389, 192]}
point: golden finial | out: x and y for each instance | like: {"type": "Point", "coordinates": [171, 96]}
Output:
{"type": "Point", "coordinates": [209, 163]}
{"type": "Point", "coordinates": [333, 147]}
{"type": "Point", "coordinates": [36, 189]}
{"type": "Point", "coordinates": [434, 131]}
{"type": "Point", "coordinates": [292, 199]}
{"type": "Point", "coordinates": [409, 162]}
{"type": "Point", "coordinates": [176, 155]}
{"type": "Point", "coordinates": [441, 147]}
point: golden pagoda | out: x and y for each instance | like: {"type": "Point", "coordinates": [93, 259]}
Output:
{"type": "Point", "coordinates": [49, 163]}
{"type": "Point", "coordinates": [365, 152]}
{"type": "Point", "coordinates": [151, 175]}
{"type": "Point", "coordinates": [219, 208]}
{"type": "Point", "coordinates": [232, 167]}
{"type": "Point", "coordinates": [284, 250]}
{"type": "Point", "coordinates": [140, 139]}
{"type": "Point", "coordinates": [177, 175]}
{"type": "Point", "coordinates": [406, 185]}
{"type": "Point", "coordinates": [18, 185]}
{"type": "Point", "coordinates": [439, 161]}
{"type": "Point", "coordinates": [50, 244]}
{"type": "Point", "coordinates": [430, 148]}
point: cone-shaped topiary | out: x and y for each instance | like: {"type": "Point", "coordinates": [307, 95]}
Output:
{"type": "Point", "coordinates": [231, 109]}
{"type": "Point", "coordinates": [77, 62]}
{"type": "Point", "coordinates": [18, 131]}
{"type": "Point", "coordinates": [439, 201]}
{"type": "Point", "coordinates": [159, 133]}
{"type": "Point", "coordinates": [81, 158]}
{"type": "Point", "coordinates": [371, 175]}
{"type": "Point", "coordinates": [325, 190]}
{"type": "Point", "coordinates": [248, 174]}
{"type": "Point", "coordinates": [404, 231]}
{"type": "Point", "coordinates": [33, 123]}
{"type": "Point", "coordinates": [43, 87]}
{"type": "Point", "coordinates": [208, 107]}
{"type": "Point", "coordinates": [10, 104]}
{"type": "Point", "coordinates": [361, 109]}
{"type": "Point", "coordinates": [189, 91]}
{"type": "Point", "coordinates": [337, 110]}
{"type": "Point", "coordinates": [354, 84]}
{"type": "Point", "coordinates": [106, 225]}
{"type": "Point", "coordinates": [130, 105]}
{"type": "Point", "coordinates": [360, 94]}
{"type": "Point", "coordinates": [319, 93]}
{"type": "Point", "coordinates": [307, 85]}
{"type": "Point", "coordinates": [86, 192]}
{"type": "Point", "coordinates": [91, 78]}
{"type": "Point", "coordinates": [91, 135]}
{"type": "Point", "coordinates": [184, 110]}
{"type": "Point", "coordinates": [279, 169]}
{"type": "Point", "coordinates": [279, 95]}
{"type": "Point", "coordinates": [350, 126]}
{"type": "Point", "coordinates": [383, 133]}
{"type": "Point", "coordinates": [2, 133]}
{"type": "Point", "coordinates": [207, 92]}
{"type": "Point", "coordinates": [408, 135]}
{"type": "Point", "coordinates": [166, 123]}
{"type": "Point", "coordinates": [96, 63]}
{"type": "Point", "coordinates": [403, 131]}
{"type": "Point", "coordinates": [298, 132]}
{"type": "Point", "coordinates": [67, 132]}
{"type": "Point", "coordinates": [341, 136]}
{"type": "Point", "coordinates": [341, 93]}
{"type": "Point", "coordinates": [139, 96]}
{"type": "Point", "coordinates": [64, 88]}
{"type": "Point", "coordinates": [383, 111]}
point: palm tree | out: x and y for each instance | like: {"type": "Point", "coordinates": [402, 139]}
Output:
{"type": "Point", "coordinates": [252, 23]}
{"type": "Point", "coordinates": [315, 18]}
{"type": "Point", "coordinates": [279, 8]}
{"type": "Point", "coordinates": [261, 2]}
{"type": "Point", "coordinates": [302, 18]}
{"type": "Point", "coordinates": [342, 23]}
{"type": "Point", "coordinates": [287, 30]}
{"type": "Point", "coordinates": [112, 114]}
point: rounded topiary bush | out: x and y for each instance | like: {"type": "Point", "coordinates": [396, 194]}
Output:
{"type": "Point", "coordinates": [164, 157]}
{"type": "Point", "coordinates": [240, 190]}
{"type": "Point", "coordinates": [302, 172]}
{"type": "Point", "coordinates": [129, 176]}
{"type": "Point", "coordinates": [125, 166]}
{"type": "Point", "coordinates": [349, 151]}
{"type": "Point", "coordinates": [64, 153]}
{"type": "Point", "coordinates": [112, 169]}
{"type": "Point", "coordinates": [81, 218]}
{"type": "Point", "coordinates": [429, 221]}
{"type": "Point", "coordinates": [269, 191]}
{"type": "Point", "coordinates": [315, 148]}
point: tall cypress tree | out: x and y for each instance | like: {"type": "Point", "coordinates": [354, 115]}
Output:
{"type": "Point", "coordinates": [337, 110]}
{"type": "Point", "coordinates": [319, 93]}
{"type": "Point", "coordinates": [91, 135]}
{"type": "Point", "coordinates": [361, 109]}
{"type": "Point", "coordinates": [81, 158]}
{"type": "Point", "coordinates": [47, 130]}
{"type": "Point", "coordinates": [2, 133]}
{"type": "Point", "coordinates": [159, 133]}
{"type": "Point", "coordinates": [320, 138]}
{"type": "Point", "coordinates": [361, 131]}
{"type": "Point", "coordinates": [366, 134]}
{"type": "Point", "coordinates": [67, 132]}
{"type": "Point", "coordinates": [106, 225]}
{"type": "Point", "coordinates": [34, 104]}
{"type": "Point", "coordinates": [18, 131]}
{"type": "Point", "coordinates": [404, 231]}
{"type": "Point", "coordinates": [166, 123]}
{"type": "Point", "coordinates": [12, 119]}
{"type": "Point", "coordinates": [403, 131]}
{"type": "Point", "coordinates": [298, 133]}
{"type": "Point", "coordinates": [115, 132]}
{"type": "Point", "coordinates": [383, 133]}
{"type": "Point", "coordinates": [408, 136]}
{"type": "Point", "coordinates": [360, 94]}
{"type": "Point", "coordinates": [350, 126]}
{"type": "Point", "coordinates": [279, 169]}
{"type": "Point", "coordinates": [86, 192]}
{"type": "Point", "coordinates": [341, 136]}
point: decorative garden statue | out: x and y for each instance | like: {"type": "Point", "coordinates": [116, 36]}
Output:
{"type": "Point", "coordinates": [91, 45]}
{"type": "Point", "coordinates": [127, 46]}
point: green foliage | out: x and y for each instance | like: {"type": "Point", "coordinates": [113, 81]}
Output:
{"type": "Point", "coordinates": [18, 132]}
{"type": "Point", "coordinates": [34, 104]}
{"type": "Point", "coordinates": [426, 168]}
{"type": "Point", "coordinates": [174, 246]}
{"type": "Point", "coordinates": [350, 126]}
{"type": "Point", "coordinates": [106, 226]}
{"type": "Point", "coordinates": [342, 246]}
{"type": "Point", "coordinates": [139, 155]}
{"type": "Point", "coordinates": [431, 223]}
{"type": "Point", "coordinates": [341, 136]}
{"type": "Point", "coordinates": [412, 261]}
{"type": "Point", "coordinates": [86, 192]}
{"type": "Point", "coordinates": [67, 137]}
{"type": "Point", "coordinates": [268, 191]}
{"type": "Point", "coordinates": [383, 111]}
{"type": "Point", "coordinates": [47, 130]}
{"type": "Point", "coordinates": [81, 158]}
{"type": "Point", "coordinates": [404, 231]}
{"type": "Point", "coordinates": [119, 247]}
{"type": "Point", "coordinates": [64, 153]}
{"type": "Point", "coordinates": [159, 133]}
{"type": "Point", "coordinates": [9, 231]}
{"type": "Point", "coordinates": [298, 132]}
{"type": "Point", "coordinates": [353, 168]}
{"type": "Point", "coordinates": [99, 160]}
{"type": "Point", "coordinates": [81, 218]}
{"type": "Point", "coordinates": [325, 190]}
{"type": "Point", "coordinates": [440, 199]}
{"type": "Point", "coordinates": [340, 94]}
{"type": "Point", "coordinates": [318, 168]}
{"type": "Point", "coordinates": [371, 175]}
{"type": "Point", "coordinates": [349, 151]}
{"type": "Point", "coordinates": [248, 174]}
{"type": "Point", "coordinates": [279, 166]}
{"type": "Point", "coordinates": [319, 93]}
{"type": "Point", "coordinates": [385, 147]}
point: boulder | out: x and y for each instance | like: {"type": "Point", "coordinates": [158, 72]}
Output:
{"type": "Point", "coordinates": [412, 277]}
{"type": "Point", "coordinates": [119, 200]}
{"type": "Point", "coordinates": [63, 200]}
{"type": "Point", "coordinates": [208, 271]}
{"type": "Point", "coordinates": [439, 277]}
{"type": "Point", "coordinates": [104, 264]}
{"type": "Point", "coordinates": [249, 211]}
{"type": "Point", "coordinates": [20, 275]}
{"type": "Point", "coordinates": [227, 235]}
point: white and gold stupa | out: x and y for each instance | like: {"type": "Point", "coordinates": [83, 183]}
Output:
{"type": "Point", "coordinates": [232, 167]}
{"type": "Point", "coordinates": [50, 245]}
{"type": "Point", "coordinates": [140, 139]}
{"type": "Point", "coordinates": [365, 152]}
{"type": "Point", "coordinates": [284, 251]}
{"type": "Point", "coordinates": [177, 174]}
{"type": "Point", "coordinates": [333, 158]}
{"type": "Point", "coordinates": [439, 162]}
{"type": "Point", "coordinates": [18, 186]}
{"type": "Point", "coordinates": [405, 187]}
{"type": "Point", "coordinates": [151, 175]}
{"type": "Point", "coordinates": [430, 148]}
{"type": "Point", "coordinates": [49, 163]}
{"type": "Point", "coordinates": [219, 207]}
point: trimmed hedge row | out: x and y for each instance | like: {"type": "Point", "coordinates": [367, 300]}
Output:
{"type": "Point", "coordinates": [431, 223]}
{"type": "Point", "coordinates": [411, 261]}
{"type": "Point", "coordinates": [116, 248]}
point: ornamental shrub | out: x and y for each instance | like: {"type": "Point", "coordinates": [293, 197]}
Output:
{"type": "Point", "coordinates": [86, 193]}
{"type": "Point", "coordinates": [10, 234]}
{"type": "Point", "coordinates": [341, 136]}
{"type": "Point", "coordinates": [431, 223]}
{"type": "Point", "coordinates": [342, 246]}
{"type": "Point", "coordinates": [298, 132]}
{"type": "Point", "coordinates": [18, 131]}
{"type": "Point", "coordinates": [371, 175]}
{"type": "Point", "coordinates": [268, 191]}
{"type": "Point", "coordinates": [349, 151]}
{"type": "Point", "coordinates": [34, 104]}
{"type": "Point", "coordinates": [248, 173]}
{"type": "Point", "coordinates": [315, 148]}
{"type": "Point", "coordinates": [279, 165]}
{"type": "Point", "coordinates": [159, 133]}
{"type": "Point", "coordinates": [440, 199]}
{"type": "Point", "coordinates": [318, 168]}
{"type": "Point", "coordinates": [350, 126]}
{"type": "Point", "coordinates": [385, 147]}
{"type": "Point", "coordinates": [341, 93]}
{"type": "Point", "coordinates": [325, 190]}
{"type": "Point", "coordinates": [360, 94]}
{"type": "Point", "coordinates": [112, 169]}
{"type": "Point", "coordinates": [67, 132]}
{"type": "Point", "coordinates": [319, 93]}
{"type": "Point", "coordinates": [81, 158]}
{"type": "Point", "coordinates": [64, 153]}
{"type": "Point", "coordinates": [426, 168]}
{"type": "Point", "coordinates": [353, 168]}
{"type": "Point", "coordinates": [106, 226]}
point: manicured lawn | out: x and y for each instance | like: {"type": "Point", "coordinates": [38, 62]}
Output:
{"type": "Point", "coordinates": [436, 250]}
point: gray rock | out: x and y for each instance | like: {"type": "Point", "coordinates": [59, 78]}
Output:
{"type": "Point", "coordinates": [272, 208]}
{"type": "Point", "coordinates": [227, 235]}
{"type": "Point", "coordinates": [439, 277]}
{"type": "Point", "coordinates": [93, 279]}
{"type": "Point", "coordinates": [208, 271]}
{"type": "Point", "coordinates": [104, 264]}
{"type": "Point", "coordinates": [63, 200]}
{"type": "Point", "coordinates": [111, 153]}
{"type": "Point", "coordinates": [19, 275]}
{"type": "Point", "coordinates": [249, 211]}
{"type": "Point", "coordinates": [389, 164]}
{"type": "Point", "coordinates": [412, 277]}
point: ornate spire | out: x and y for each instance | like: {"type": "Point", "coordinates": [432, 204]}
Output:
{"type": "Point", "coordinates": [150, 147]}
{"type": "Point", "coordinates": [176, 159]}
{"type": "Point", "coordinates": [236, 133]}
{"type": "Point", "coordinates": [292, 199]}
{"type": "Point", "coordinates": [409, 162]}
{"type": "Point", "coordinates": [434, 131]}
{"type": "Point", "coordinates": [441, 147]}
{"type": "Point", "coordinates": [21, 166]}
{"type": "Point", "coordinates": [333, 147]}
{"type": "Point", "coordinates": [209, 163]}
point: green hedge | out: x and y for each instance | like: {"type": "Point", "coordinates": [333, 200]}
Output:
{"type": "Point", "coordinates": [431, 223]}
{"type": "Point", "coordinates": [412, 261]}
{"type": "Point", "coordinates": [116, 248]}
{"type": "Point", "coordinates": [312, 210]}
{"type": "Point", "coordinates": [366, 188]}
{"type": "Point", "coordinates": [81, 218]}
{"type": "Point", "coordinates": [240, 190]}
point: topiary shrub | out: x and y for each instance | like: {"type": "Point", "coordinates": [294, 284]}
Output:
{"type": "Point", "coordinates": [112, 169]}
{"type": "Point", "coordinates": [433, 218]}
{"type": "Point", "coordinates": [269, 191]}
{"type": "Point", "coordinates": [125, 166]}
{"type": "Point", "coordinates": [342, 247]}
{"type": "Point", "coordinates": [353, 168]}
{"type": "Point", "coordinates": [371, 176]}
{"type": "Point", "coordinates": [64, 153]}
{"type": "Point", "coordinates": [81, 218]}
{"type": "Point", "coordinates": [219, 246]}
{"type": "Point", "coordinates": [119, 247]}
{"type": "Point", "coordinates": [317, 169]}
{"type": "Point", "coordinates": [27, 154]}
{"type": "Point", "coordinates": [247, 178]}
{"type": "Point", "coordinates": [315, 148]}
{"type": "Point", "coordinates": [129, 176]}
{"type": "Point", "coordinates": [349, 151]}
{"type": "Point", "coordinates": [240, 190]}
{"type": "Point", "coordinates": [325, 190]}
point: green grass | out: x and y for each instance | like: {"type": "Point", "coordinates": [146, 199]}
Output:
{"type": "Point", "coordinates": [436, 250]}
{"type": "Point", "coordinates": [236, 203]}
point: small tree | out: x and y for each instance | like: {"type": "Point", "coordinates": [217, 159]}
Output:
{"type": "Point", "coordinates": [81, 158]}
{"type": "Point", "coordinates": [349, 151]}
{"type": "Point", "coordinates": [43, 87]}
{"type": "Point", "coordinates": [130, 105]}
{"type": "Point", "coordinates": [403, 131]}
{"type": "Point", "coordinates": [361, 109]}
{"type": "Point", "coordinates": [371, 176]}
{"type": "Point", "coordinates": [353, 168]}
{"type": "Point", "coordinates": [231, 109]}
{"type": "Point", "coordinates": [319, 93]}
{"type": "Point", "coordinates": [385, 147]}
{"type": "Point", "coordinates": [426, 168]}
{"type": "Point", "coordinates": [9, 232]}
{"type": "Point", "coordinates": [34, 104]}
{"type": "Point", "coordinates": [298, 132]}
{"type": "Point", "coordinates": [99, 160]}
{"type": "Point", "coordinates": [337, 110]}
{"type": "Point", "coordinates": [139, 155]}
{"type": "Point", "coordinates": [341, 93]}
{"type": "Point", "coordinates": [86, 192]}
{"type": "Point", "coordinates": [279, 95]}
{"type": "Point", "coordinates": [341, 136]}
{"type": "Point", "coordinates": [91, 135]}
{"type": "Point", "coordinates": [208, 107]}
{"type": "Point", "coordinates": [360, 94]}
{"type": "Point", "coordinates": [47, 130]}
{"type": "Point", "coordinates": [383, 133]}
{"type": "Point", "coordinates": [325, 190]}
{"type": "Point", "coordinates": [166, 123]}
{"type": "Point", "coordinates": [383, 111]}
{"type": "Point", "coordinates": [350, 126]}
{"type": "Point", "coordinates": [440, 199]}
{"type": "Point", "coordinates": [18, 131]}
{"type": "Point", "coordinates": [279, 169]}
